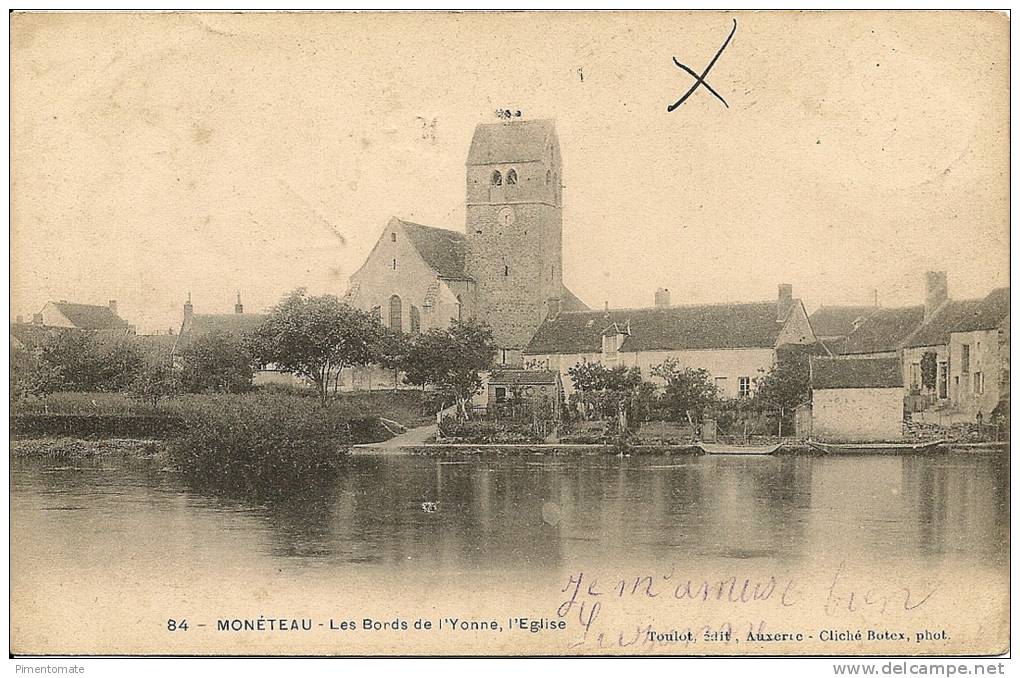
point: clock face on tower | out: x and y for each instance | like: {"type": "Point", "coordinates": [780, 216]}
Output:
{"type": "Point", "coordinates": [505, 217]}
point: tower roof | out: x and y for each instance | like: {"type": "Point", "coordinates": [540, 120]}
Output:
{"type": "Point", "coordinates": [512, 141]}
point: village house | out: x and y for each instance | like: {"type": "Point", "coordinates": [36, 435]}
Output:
{"type": "Point", "coordinates": [539, 389]}
{"type": "Point", "coordinates": [735, 342]}
{"type": "Point", "coordinates": [855, 399]}
{"type": "Point", "coordinates": [956, 365]}
{"type": "Point", "coordinates": [58, 317]}
{"type": "Point", "coordinates": [236, 324]}
{"type": "Point", "coordinates": [91, 317]}
{"type": "Point", "coordinates": [953, 353]}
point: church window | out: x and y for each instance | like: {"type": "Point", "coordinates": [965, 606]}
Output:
{"type": "Point", "coordinates": [415, 320]}
{"type": "Point", "coordinates": [396, 310]}
{"type": "Point", "coordinates": [506, 270]}
{"type": "Point", "coordinates": [511, 178]}
{"type": "Point", "coordinates": [497, 178]}
{"type": "Point", "coordinates": [394, 264]}
{"type": "Point", "coordinates": [393, 237]}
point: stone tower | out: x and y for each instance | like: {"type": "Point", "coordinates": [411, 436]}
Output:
{"type": "Point", "coordinates": [515, 229]}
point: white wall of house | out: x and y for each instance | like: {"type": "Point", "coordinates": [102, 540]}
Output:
{"type": "Point", "coordinates": [52, 317]}
{"type": "Point", "coordinates": [727, 367]}
{"type": "Point", "coordinates": [910, 363]}
{"type": "Point", "coordinates": [974, 371]}
{"type": "Point", "coordinates": [857, 414]}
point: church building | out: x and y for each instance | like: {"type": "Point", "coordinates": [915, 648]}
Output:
{"type": "Point", "coordinates": [505, 268]}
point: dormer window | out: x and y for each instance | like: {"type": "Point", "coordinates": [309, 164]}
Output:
{"type": "Point", "coordinates": [497, 178]}
{"type": "Point", "coordinates": [511, 178]}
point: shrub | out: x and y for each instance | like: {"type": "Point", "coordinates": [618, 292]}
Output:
{"type": "Point", "coordinates": [260, 445]}
{"type": "Point", "coordinates": [487, 431]}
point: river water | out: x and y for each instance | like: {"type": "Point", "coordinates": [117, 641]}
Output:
{"type": "Point", "coordinates": [104, 553]}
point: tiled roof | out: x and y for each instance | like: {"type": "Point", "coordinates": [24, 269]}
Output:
{"type": "Point", "coordinates": [993, 309]}
{"type": "Point", "coordinates": [838, 321]}
{"type": "Point", "coordinates": [569, 302]}
{"type": "Point", "coordinates": [709, 326]}
{"type": "Point", "coordinates": [523, 377]}
{"type": "Point", "coordinates": [965, 315]}
{"type": "Point", "coordinates": [442, 249]}
{"type": "Point", "coordinates": [515, 141]}
{"type": "Point", "coordinates": [228, 323]}
{"type": "Point", "coordinates": [90, 317]}
{"type": "Point", "coordinates": [830, 373]}
{"type": "Point", "coordinates": [885, 329]}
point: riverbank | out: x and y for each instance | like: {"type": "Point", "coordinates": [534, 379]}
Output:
{"type": "Point", "coordinates": [70, 447]}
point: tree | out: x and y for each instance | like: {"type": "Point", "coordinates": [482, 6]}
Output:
{"type": "Point", "coordinates": [218, 362]}
{"type": "Point", "coordinates": [88, 362]}
{"type": "Point", "coordinates": [157, 380]}
{"type": "Point", "coordinates": [929, 370]}
{"type": "Point", "coordinates": [605, 392]}
{"type": "Point", "coordinates": [688, 392]}
{"type": "Point", "coordinates": [786, 385]}
{"type": "Point", "coordinates": [31, 376]}
{"type": "Point", "coordinates": [316, 337]}
{"type": "Point", "coordinates": [451, 360]}
{"type": "Point", "coordinates": [391, 351]}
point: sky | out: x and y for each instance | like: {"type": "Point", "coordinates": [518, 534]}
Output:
{"type": "Point", "coordinates": [159, 155]}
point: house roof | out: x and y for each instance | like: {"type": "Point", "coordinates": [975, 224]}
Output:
{"type": "Point", "coordinates": [965, 315]}
{"type": "Point", "coordinates": [885, 329]}
{"type": "Point", "coordinates": [441, 248]}
{"type": "Point", "coordinates": [833, 373]}
{"type": "Point", "coordinates": [838, 321]}
{"type": "Point", "coordinates": [90, 316]}
{"type": "Point", "coordinates": [512, 141]}
{"type": "Point", "coordinates": [936, 331]}
{"type": "Point", "coordinates": [523, 377]}
{"type": "Point", "coordinates": [569, 302]}
{"type": "Point", "coordinates": [234, 324]}
{"type": "Point", "coordinates": [739, 325]}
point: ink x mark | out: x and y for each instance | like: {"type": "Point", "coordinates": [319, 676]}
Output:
{"type": "Point", "coordinates": [699, 80]}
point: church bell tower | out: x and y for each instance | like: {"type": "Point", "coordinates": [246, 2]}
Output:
{"type": "Point", "coordinates": [514, 229]}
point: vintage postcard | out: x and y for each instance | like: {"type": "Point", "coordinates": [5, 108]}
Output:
{"type": "Point", "coordinates": [482, 333]}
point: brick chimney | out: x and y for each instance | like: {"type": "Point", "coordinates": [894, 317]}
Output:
{"type": "Point", "coordinates": [936, 292]}
{"type": "Point", "coordinates": [662, 298]}
{"type": "Point", "coordinates": [189, 312]}
{"type": "Point", "coordinates": [113, 306]}
{"type": "Point", "coordinates": [784, 301]}
{"type": "Point", "coordinates": [238, 307]}
{"type": "Point", "coordinates": [552, 307]}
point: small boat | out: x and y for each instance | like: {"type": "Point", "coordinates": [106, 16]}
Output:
{"type": "Point", "coordinates": [714, 448]}
{"type": "Point", "coordinates": [873, 448]}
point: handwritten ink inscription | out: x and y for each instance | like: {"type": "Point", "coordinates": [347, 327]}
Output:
{"type": "Point", "coordinates": [645, 608]}
{"type": "Point", "coordinates": [699, 80]}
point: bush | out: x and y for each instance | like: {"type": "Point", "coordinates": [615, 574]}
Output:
{"type": "Point", "coordinates": [260, 445]}
{"type": "Point", "coordinates": [487, 431]}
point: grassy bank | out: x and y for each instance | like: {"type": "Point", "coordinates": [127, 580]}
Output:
{"type": "Point", "coordinates": [114, 414]}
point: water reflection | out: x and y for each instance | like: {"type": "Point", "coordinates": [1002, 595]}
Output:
{"type": "Point", "coordinates": [516, 514]}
